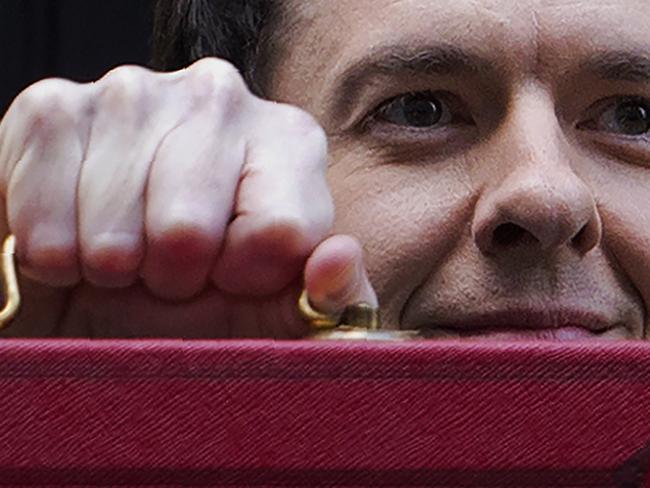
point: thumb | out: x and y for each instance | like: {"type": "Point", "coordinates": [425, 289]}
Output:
{"type": "Point", "coordinates": [335, 276]}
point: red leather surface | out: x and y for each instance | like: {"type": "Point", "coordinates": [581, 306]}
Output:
{"type": "Point", "coordinates": [175, 413]}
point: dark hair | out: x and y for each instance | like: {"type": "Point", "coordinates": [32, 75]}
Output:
{"type": "Point", "coordinates": [234, 30]}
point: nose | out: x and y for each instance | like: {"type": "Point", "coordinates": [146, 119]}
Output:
{"type": "Point", "coordinates": [536, 212]}
{"type": "Point", "coordinates": [540, 203]}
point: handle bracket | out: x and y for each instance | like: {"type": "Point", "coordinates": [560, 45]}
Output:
{"type": "Point", "coordinates": [10, 288]}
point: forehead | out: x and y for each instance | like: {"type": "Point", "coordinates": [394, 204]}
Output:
{"type": "Point", "coordinates": [509, 21]}
{"type": "Point", "coordinates": [517, 35]}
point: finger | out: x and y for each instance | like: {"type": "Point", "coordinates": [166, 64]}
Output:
{"type": "Point", "coordinates": [41, 193]}
{"type": "Point", "coordinates": [123, 142]}
{"type": "Point", "coordinates": [192, 187]}
{"type": "Point", "coordinates": [283, 207]}
{"type": "Point", "coordinates": [335, 276]}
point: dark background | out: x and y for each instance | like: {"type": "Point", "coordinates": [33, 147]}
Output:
{"type": "Point", "coordinates": [77, 39]}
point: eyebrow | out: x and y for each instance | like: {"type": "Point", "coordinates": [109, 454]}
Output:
{"type": "Point", "coordinates": [401, 60]}
{"type": "Point", "coordinates": [404, 59]}
{"type": "Point", "coordinates": [621, 66]}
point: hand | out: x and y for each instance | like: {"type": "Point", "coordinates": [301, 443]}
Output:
{"type": "Point", "coordinates": [169, 204]}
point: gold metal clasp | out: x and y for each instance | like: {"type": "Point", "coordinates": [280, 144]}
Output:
{"type": "Point", "coordinates": [9, 282]}
{"type": "Point", "coordinates": [358, 322]}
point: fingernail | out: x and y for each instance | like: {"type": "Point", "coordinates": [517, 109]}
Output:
{"type": "Point", "coordinates": [342, 287]}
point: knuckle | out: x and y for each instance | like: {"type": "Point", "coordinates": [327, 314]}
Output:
{"type": "Point", "coordinates": [111, 255]}
{"type": "Point", "coordinates": [303, 125]}
{"type": "Point", "coordinates": [50, 256]}
{"type": "Point", "coordinates": [183, 241]}
{"type": "Point", "coordinates": [298, 119]}
{"type": "Point", "coordinates": [45, 93]}
{"type": "Point", "coordinates": [122, 85]}
{"type": "Point", "coordinates": [46, 254]}
{"type": "Point", "coordinates": [285, 234]}
{"type": "Point", "coordinates": [212, 64]}
{"type": "Point", "coordinates": [217, 81]}
{"type": "Point", "coordinates": [47, 105]}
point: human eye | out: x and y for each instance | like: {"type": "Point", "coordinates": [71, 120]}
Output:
{"type": "Point", "coordinates": [627, 116]}
{"type": "Point", "coordinates": [418, 112]}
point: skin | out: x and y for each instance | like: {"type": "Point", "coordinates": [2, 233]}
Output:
{"type": "Point", "coordinates": [427, 204]}
{"type": "Point", "coordinates": [520, 215]}
{"type": "Point", "coordinates": [170, 205]}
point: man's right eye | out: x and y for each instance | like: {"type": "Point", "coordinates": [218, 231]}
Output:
{"type": "Point", "coordinates": [424, 110]}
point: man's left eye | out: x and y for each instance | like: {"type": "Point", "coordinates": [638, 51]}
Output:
{"type": "Point", "coordinates": [628, 116]}
{"type": "Point", "coordinates": [420, 110]}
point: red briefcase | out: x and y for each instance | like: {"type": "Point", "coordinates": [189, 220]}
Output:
{"type": "Point", "coordinates": [265, 413]}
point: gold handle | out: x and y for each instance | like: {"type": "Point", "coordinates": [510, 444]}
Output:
{"type": "Point", "coordinates": [357, 322]}
{"type": "Point", "coordinates": [9, 282]}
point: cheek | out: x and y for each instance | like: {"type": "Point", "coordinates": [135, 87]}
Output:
{"type": "Point", "coordinates": [623, 196]}
{"type": "Point", "coordinates": [408, 217]}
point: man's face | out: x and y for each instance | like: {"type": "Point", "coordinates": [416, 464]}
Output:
{"type": "Point", "coordinates": [493, 156]}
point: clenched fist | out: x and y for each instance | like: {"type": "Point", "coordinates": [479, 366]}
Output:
{"type": "Point", "coordinates": [169, 204]}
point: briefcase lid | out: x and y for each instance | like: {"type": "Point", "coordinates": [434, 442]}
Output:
{"type": "Point", "coordinates": [307, 413]}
